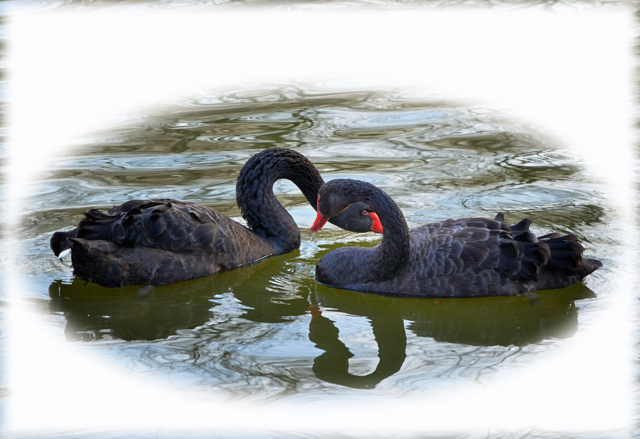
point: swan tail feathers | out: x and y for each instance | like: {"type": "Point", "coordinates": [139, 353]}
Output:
{"type": "Point", "coordinates": [552, 252]}
{"type": "Point", "coordinates": [99, 262]}
{"type": "Point", "coordinates": [567, 264]}
{"type": "Point", "coordinates": [566, 252]}
{"type": "Point", "coordinates": [59, 241]}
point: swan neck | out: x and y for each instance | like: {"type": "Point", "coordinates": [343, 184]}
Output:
{"type": "Point", "coordinates": [386, 259]}
{"type": "Point", "coordinates": [393, 252]}
{"type": "Point", "coordinates": [264, 214]}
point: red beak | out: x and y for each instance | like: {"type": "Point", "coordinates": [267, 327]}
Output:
{"type": "Point", "coordinates": [318, 223]}
{"type": "Point", "coordinates": [377, 225]}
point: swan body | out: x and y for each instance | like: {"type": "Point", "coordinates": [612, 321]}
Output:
{"type": "Point", "coordinates": [467, 257]}
{"type": "Point", "coordinates": [162, 241]}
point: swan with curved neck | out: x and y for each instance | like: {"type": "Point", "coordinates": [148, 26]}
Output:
{"type": "Point", "coordinates": [466, 257]}
{"type": "Point", "coordinates": [162, 241]}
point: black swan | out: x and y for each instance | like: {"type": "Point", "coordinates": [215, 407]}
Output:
{"type": "Point", "coordinates": [162, 241]}
{"type": "Point", "coordinates": [466, 257]}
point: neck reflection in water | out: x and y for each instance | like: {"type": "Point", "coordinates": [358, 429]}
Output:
{"type": "Point", "coordinates": [485, 321]}
{"type": "Point", "coordinates": [189, 311]}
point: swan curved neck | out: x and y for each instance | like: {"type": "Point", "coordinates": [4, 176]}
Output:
{"type": "Point", "coordinates": [264, 214]}
{"type": "Point", "coordinates": [393, 252]}
{"type": "Point", "coordinates": [386, 259]}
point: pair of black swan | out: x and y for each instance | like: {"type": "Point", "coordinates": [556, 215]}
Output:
{"type": "Point", "coordinates": [162, 241]}
{"type": "Point", "coordinates": [466, 257]}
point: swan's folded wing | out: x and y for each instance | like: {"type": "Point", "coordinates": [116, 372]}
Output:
{"type": "Point", "coordinates": [477, 244]}
{"type": "Point", "coordinates": [167, 224]}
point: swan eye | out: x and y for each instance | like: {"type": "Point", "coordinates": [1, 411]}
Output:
{"type": "Point", "coordinates": [364, 212]}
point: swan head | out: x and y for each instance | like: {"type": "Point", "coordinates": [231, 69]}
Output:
{"type": "Point", "coordinates": [330, 204]}
{"type": "Point", "coordinates": [356, 218]}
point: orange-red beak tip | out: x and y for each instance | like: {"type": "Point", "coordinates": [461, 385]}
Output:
{"type": "Point", "coordinates": [377, 225]}
{"type": "Point", "coordinates": [318, 223]}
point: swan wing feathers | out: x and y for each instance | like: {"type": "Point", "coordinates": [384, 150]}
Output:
{"type": "Point", "coordinates": [474, 245]}
{"type": "Point", "coordinates": [166, 224]}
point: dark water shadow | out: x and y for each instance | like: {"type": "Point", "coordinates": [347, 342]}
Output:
{"type": "Point", "coordinates": [128, 314]}
{"type": "Point", "coordinates": [490, 321]}
{"type": "Point", "coordinates": [271, 292]}
{"type": "Point", "coordinates": [333, 365]}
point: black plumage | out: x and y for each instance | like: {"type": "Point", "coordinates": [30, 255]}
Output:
{"type": "Point", "coordinates": [466, 257]}
{"type": "Point", "coordinates": [161, 241]}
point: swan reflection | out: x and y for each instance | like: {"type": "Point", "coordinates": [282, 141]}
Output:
{"type": "Point", "coordinates": [93, 312]}
{"type": "Point", "coordinates": [486, 321]}
{"type": "Point", "coordinates": [272, 297]}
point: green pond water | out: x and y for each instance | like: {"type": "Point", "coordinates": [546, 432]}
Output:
{"type": "Point", "coordinates": [269, 331]}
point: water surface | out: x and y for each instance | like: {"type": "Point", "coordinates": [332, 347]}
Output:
{"type": "Point", "coordinates": [268, 331]}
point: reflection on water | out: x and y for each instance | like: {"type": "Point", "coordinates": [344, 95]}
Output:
{"type": "Point", "coordinates": [130, 313]}
{"type": "Point", "coordinates": [476, 321]}
{"type": "Point", "coordinates": [95, 313]}
{"type": "Point", "coordinates": [333, 365]}
{"type": "Point", "coordinates": [485, 321]}
{"type": "Point", "coordinates": [269, 330]}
